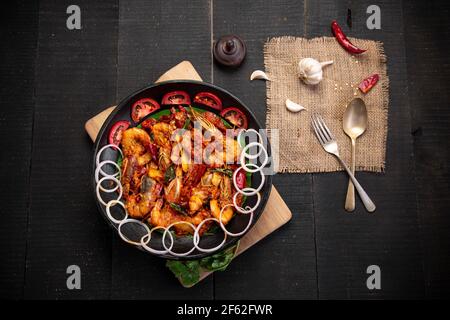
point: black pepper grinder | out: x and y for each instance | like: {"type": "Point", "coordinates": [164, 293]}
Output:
{"type": "Point", "coordinates": [230, 51]}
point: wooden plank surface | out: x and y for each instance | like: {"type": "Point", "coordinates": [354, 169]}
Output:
{"type": "Point", "coordinates": [154, 36]}
{"type": "Point", "coordinates": [427, 31]}
{"type": "Point", "coordinates": [282, 265]}
{"type": "Point", "coordinates": [348, 243]}
{"type": "Point", "coordinates": [75, 73]}
{"type": "Point", "coordinates": [18, 35]}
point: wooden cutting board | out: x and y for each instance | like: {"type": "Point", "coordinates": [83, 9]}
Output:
{"type": "Point", "coordinates": [276, 212]}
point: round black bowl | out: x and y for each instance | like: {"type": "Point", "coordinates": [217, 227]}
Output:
{"type": "Point", "coordinates": [182, 244]}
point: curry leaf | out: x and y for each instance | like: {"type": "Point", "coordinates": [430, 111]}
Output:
{"type": "Point", "coordinates": [169, 175]}
{"type": "Point", "coordinates": [186, 123]}
{"type": "Point", "coordinates": [227, 172]}
{"type": "Point", "coordinates": [188, 272]}
{"type": "Point", "coordinates": [218, 261]}
{"type": "Point", "coordinates": [178, 208]}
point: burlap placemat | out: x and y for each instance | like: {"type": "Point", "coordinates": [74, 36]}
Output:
{"type": "Point", "coordinates": [299, 149]}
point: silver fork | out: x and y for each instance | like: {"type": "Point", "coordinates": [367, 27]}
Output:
{"type": "Point", "coordinates": [328, 142]}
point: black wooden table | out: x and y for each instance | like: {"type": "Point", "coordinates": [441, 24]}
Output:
{"type": "Point", "coordinates": [54, 79]}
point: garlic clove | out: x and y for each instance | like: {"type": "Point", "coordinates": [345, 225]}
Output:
{"type": "Point", "coordinates": [259, 75]}
{"type": "Point", "coordinates": [293, 107]}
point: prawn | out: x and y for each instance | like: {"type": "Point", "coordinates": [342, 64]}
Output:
{"type": "Point", "coordinates": [224, 201]}
{"type": "Point", "coordinates": [163, 215]}
{"type": "Point", "coordinates": [137, 142]}
{"type": "Point", "coordinates": [140, 205]}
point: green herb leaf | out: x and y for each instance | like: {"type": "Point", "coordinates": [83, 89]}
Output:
{"type": "Point", "coordinates": [227, 124]}
{"type": "Point", "coordinates": [186, 123]}
{"type": "Point", "coordinates": [212, 231]}
{"type": "Point", "coordinates": [119, 161]}
{"type": "Point", "coordinates": [169, 175]}
{"type": "Point", "coordinates": [227, 172]}
{"type": "Point", "coordinates": [248, 179]}
{"type": "Point", "coordinates": [188, 272]}
{"type": "Point", "coordinates": [178, 208]}
{"type": "Point", "coordinates": [218, 261]}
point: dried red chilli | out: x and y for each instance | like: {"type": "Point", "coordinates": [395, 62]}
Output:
{"type": "Point", "coordinates": [368, 83]}
{"type": "Point", "coordinates": [343, 41]}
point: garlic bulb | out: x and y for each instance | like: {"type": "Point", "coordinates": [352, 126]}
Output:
{"type": "Point", "coordinates": [310, 70]}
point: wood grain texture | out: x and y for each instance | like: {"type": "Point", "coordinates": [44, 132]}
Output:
{"type": "Point", "coordinates": [154, 36]}
{"type": "Point", "coordinates": [427, 31]}
{"type": "Point", "coordinates": [75, 71]}
{"type": "Point", "coordinates": [18, 34]}
{"type": "Point", "coordinates": [282, 265]}
{"type": "Point", "coordinates": [94, 124]}
{"type": "Point", "coordinates": [348, 243]}
{"type": "Point", "coordinates": [408, 236]}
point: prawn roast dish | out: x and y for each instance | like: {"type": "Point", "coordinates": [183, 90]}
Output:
{"type": "Point", "coordinates": [179, 169]}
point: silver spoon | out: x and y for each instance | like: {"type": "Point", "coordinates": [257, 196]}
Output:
{"type": "Point", "coordinates": [354, 124]}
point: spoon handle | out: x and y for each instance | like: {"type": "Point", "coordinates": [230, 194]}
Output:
{"type": "Point", "coordinates": [368, 203]}
{"type": "Point", "coordinates": [350, 198]}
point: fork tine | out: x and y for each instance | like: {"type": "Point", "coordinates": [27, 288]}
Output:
{"type": "Point", "coordinates": [320, 130]}
{"type": "Point", "coordinates": [320, 124]}
{"type": "Point", "coordinates": [316, 129]}
{"type": "Point", "coordinates": [326, 128]}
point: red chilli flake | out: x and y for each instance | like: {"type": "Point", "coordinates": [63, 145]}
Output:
{"type": "Point", "coordinates": [368, 83]}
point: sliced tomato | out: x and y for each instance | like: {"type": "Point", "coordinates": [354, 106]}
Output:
{"type": "Point", "coordinates": [115, 134]}
{"type": "Point", "coordinates": [235, 116]}
{"type": "Point", "coordinates": [176, 97]}
{"type": "Point", "coordinates": [143, 107]}
{"type": "Point", "coordinates": [208, 99]}
{"type": "Point", "coordinates": [241, 179]}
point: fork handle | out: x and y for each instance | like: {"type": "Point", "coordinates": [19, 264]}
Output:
{"type": "Point", "coordinates": [368, 203]}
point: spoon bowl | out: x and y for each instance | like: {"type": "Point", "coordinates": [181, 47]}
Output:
{"type": "Point", "coordinates": [355, 118]}
{"type": "Point", "coordinates": [354, 125]}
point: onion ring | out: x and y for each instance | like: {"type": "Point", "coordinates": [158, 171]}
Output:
{"type": "Point", "coordinates": [103, 173]}
{"type": "Point", "coordinates": [230, 233]}
{"type": "Point", "coordinates": [144, 243]}
{"type": "Point", "coordinates": [97, 189]}
{"type": "Point", "coordinates": [169, 250]}
{"type": "Point", "coordinates": [197, 237]}
{"type": "Point", "coordinates": [245, 193]}
{"type": "Point", "coordinates": [240, 209]}
{"type": "Point", "coordinates": [145, 240]}
{"type": "Point", "coordinates": [108, 211]}
{"type": "Point", "coordinates": [129, 221]}
{"type": "Point", "coordinates": [98, 171]}
{"type": "Point", "coordinates": [243, 156]}
{"type": "Point", "coordinates": [97, 161]}
{"type": "Point", "coordinates": [247, 130]}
